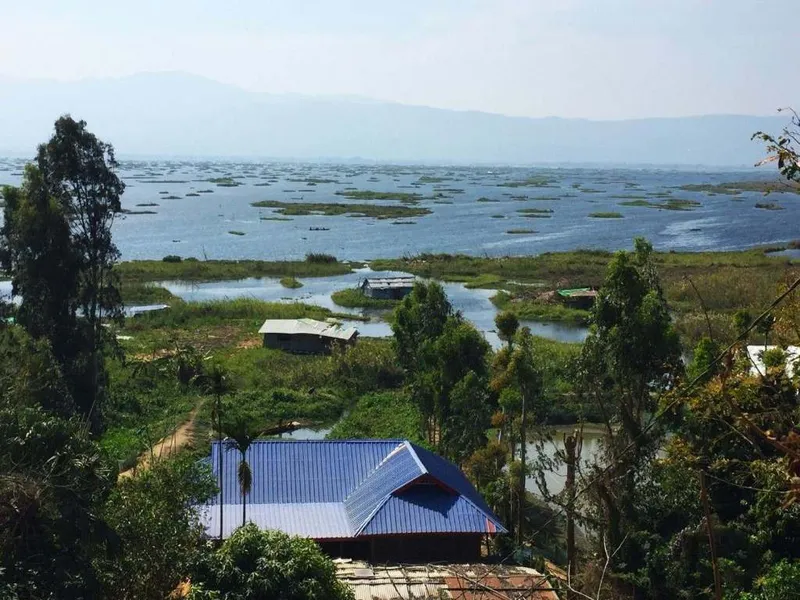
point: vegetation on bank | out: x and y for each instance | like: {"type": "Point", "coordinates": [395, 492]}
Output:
{"type": "Point", "coordinates": [530, 310]}
{"type": "Point", "coordinates": [388, 415]}
{"type": "Point", "coordinates": [669, 204]}
{"type": "Point", "coordinates": [355, 298]}
{"type": "Point", "coordinates": [374, 211]}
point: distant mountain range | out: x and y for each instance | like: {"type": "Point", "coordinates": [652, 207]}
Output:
{"type": "Point", "coordinates": [175, 114]}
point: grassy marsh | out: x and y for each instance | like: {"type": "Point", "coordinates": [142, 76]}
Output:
{"type": "Point", "coordinates": [335, 209]}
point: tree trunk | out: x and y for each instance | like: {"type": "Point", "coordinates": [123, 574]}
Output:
{"type": "Point", "coordinates": [523, 437]}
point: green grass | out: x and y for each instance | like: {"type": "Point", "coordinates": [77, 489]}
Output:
{"type": "Point", "coordinates": [404, 197]}
{"type": "Point", "coordinates": [141, 293]}
{"type": "Point", "coordinates": [291, 283]}
{"type": "Point", "coordinates": [530, 310]}
{"type": "Point", "coordinates": [219, 270]}
{"type": "Point", "coordinates": [335, 209]}
{"type": "Point", "coordinates": [606, 215]}
{"type": "Point", "coordinates": [384, 415]}
{"type": "Point", "coordinates": [519, 231]}
{"type": "Point", "coordinates": [355, 298]}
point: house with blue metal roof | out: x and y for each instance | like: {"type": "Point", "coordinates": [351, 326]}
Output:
{"type": "Point", "coordinates": [377, 500]}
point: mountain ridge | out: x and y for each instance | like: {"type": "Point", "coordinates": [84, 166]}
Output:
{"type": "Point", "coordinates": [181, 114]}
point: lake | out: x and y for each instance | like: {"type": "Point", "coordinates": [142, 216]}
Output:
{"type": "Point", "coordinates": [474, 304]}
{"type": "Point", "coordinates": [472, 209]}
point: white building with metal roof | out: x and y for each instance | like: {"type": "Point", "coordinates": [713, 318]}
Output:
{"type": "Point", "coordinates": [306, 336]}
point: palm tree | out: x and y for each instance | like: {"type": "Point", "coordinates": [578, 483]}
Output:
{"type": "Point", "coordinates": [217, 383]}
{"type": "Point", "coordinates": [241, 432]}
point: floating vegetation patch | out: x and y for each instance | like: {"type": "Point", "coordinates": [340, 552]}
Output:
{"type": "Point", "coordinates": [432, 179]}
{"type": "Point", "coordinates": [737, 187]}
{"type": "Point", "coordinates": [172, 197]}
{"type": "Point", "coordinates": [235, 232]}
{"type": "Point", "coordinates": [591, 190]}
{"type": "Point", "coordinates": [485, 199]}
{"type": "Point", "coordinates": [530, 182]}
{"type": "Point", "coordinates": [334, 209]}
{"type": "Point", "coordinates": [606, 215]}
{"type": "Point", "coordinates": [535, 211]}
{"type": "Point", "coordinates": [160, 180]}
{"type": "Point", "coordinates": [404, 197]}
{"type": "Point", "coordinates": [205, 191]}
{"type": "Point", "coordinates": [443, 202]}
{"type": "Point", "coordinates": [192, 195]}
{"type": "Point", "coordinates": [225, 182]}
{"type": "Point", "coordinates": [671, 204]}
{"type": "Point", "coordinates": [520, 231]}
{"type": "Point", "coordinates": [276, 219]}
{"type": "Point", "coordinates": [768, 206]}
{"type": "Point", "coordinates": [404, 222]}
{"type": "Point", "coordinates": [139, 212]}
{"type": "Point", "coordinates": [498, 216]}
{"type": "Point", "coordinates": [449, 190]}
{"type": "Point", "coordinates": [291, 283]}
{"type": "Point", "coordinates": [262, 184]}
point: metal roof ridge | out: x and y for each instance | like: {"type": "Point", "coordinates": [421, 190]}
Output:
{"type": "Point", "coordinates": [416, 457]}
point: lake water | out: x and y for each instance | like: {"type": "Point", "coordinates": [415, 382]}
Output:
{"type": "Point", "coordinates": [474, 304]}
{"type": "Point", "coordinates": [199, 224]}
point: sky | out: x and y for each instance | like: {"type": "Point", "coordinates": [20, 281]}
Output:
{"type": "Point", "coordinates": [596, 59]}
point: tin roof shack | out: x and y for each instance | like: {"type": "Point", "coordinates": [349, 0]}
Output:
{"type": "Point", "coordinates": [305, 336]}
{"type": "Point", "coordinates": [443, 581]}
{"type": "Point", "coordinates": [377, 500]}
{"type": "Point", "coordinates": [582, 298]}
{"type": "Point", "coordinates": [387, 288]}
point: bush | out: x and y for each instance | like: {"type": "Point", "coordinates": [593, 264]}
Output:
{"type": "Point", "coordinates": [775, 357]}
{"type": "Point", "coordinates": [382, 415]}
{"type": "Point", "coordinates": [320, 258]}
{"type": "Point", "coordinates": [171, 258]}
{"type": "Point", "coordinates": [267, 564]}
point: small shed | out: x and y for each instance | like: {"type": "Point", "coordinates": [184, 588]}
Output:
{"type": "Point", "coordinates": [305, 336]}
{"type": "Point", "coordinates": [387, 288]}
{"type": "Point", "coordinates": [578, 297]}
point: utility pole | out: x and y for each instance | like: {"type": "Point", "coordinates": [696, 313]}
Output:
{"type": "Point", "coordinates": [572, 448]}
{"type": "Point", "coordinates": [711, 541]}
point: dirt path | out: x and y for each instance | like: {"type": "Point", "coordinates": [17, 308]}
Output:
{"type": "Point", "coordinates": [180, 437]}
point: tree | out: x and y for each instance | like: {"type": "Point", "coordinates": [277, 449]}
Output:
{"type": "Point", "coordinates": [507, 324]}
{"type": "Point", "coordinates": [155, 515]}
{"type": "Point", "coordinates": [217, 382]}
{"type": "Point", "coordinates": [783, 148]}
{"type": "Point", "coordinates": [78, 170]}
{"type": "Point", "coordinates": [418, 320]}
{"type": "Point", "coordinates": [267, 564]}
{"type": "Point", "coordinates": [631, 357]}
{"type": "Point", "coordinates": [53, 483]}
{"type": "Point", "coordinates": [241, 429]}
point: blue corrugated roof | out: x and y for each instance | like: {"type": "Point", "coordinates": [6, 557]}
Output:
{"type": "Point", "coordinates": [328, 489]}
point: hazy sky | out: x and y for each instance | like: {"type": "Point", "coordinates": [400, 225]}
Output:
{"type": "Point", "coordinates": [572, 58]}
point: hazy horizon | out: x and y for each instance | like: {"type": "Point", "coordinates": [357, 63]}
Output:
{"type": "Point", "coordinates": [622, 59]}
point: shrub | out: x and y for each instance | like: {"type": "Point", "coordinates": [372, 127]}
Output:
{"type": "Point", "coordinates": [320, 258]}
{"type": "Point", "coordinates": [171, 258]}
{"type": "Point", "coordinates": [267, 564]}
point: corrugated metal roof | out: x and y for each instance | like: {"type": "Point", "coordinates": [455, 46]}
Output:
{"type": "Point", "coordinates": [320, 520]}
{"type": "Point", "coordinates": [377, 486]}
{"type": "Point", "coordinates": [389, 282]}
{"type": "Point", "coordinates": [439, 582]}
{"type": "Point", "coordinates": [307, 327]}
